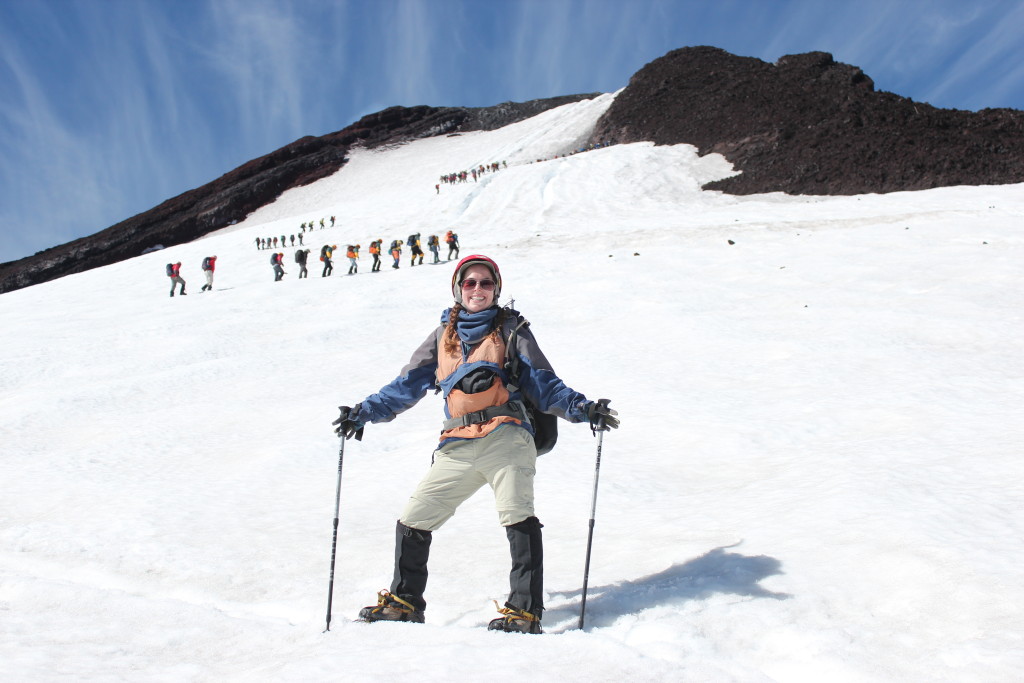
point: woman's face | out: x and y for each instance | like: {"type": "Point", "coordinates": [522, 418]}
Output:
{"type": "Point", "coordinates": [477, 298]}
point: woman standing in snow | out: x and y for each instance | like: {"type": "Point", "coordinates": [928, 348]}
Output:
{"type": "Point", "coordinates": [487, 438]}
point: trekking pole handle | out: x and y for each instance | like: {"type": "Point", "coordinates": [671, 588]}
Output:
{"type": "Point", "coordinates": [602, 403]}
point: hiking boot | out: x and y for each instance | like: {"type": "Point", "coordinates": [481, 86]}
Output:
{"type": "Point", "coordinates": [515, 621]}
{"type": "Point", "coordinates": [391, 608]}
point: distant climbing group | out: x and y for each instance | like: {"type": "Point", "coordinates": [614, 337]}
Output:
{"type": "Point", "coordinates": [474, 173]}
{"type": "Point", "coordinates": [274, 242]}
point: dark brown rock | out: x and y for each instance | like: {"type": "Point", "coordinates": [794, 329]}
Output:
{"type": "Point", "coordinates": [810, 125]}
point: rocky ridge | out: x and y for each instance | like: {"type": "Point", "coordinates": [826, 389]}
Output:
{"type": "Point", "coordinates": [810, 125]}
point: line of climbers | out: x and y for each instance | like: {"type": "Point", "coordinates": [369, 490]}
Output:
{"type": "Point", "coordinates": [272, 242]}
{"type": "Point", "coordinates": [327, 257]}
{"type": "Point", "coordinates": [376, 248]}
{"type": "Point", "coordinates": [464, 176]}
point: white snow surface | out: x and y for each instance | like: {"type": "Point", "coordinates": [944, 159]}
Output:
{"type": "Point", "coordinates": [818, 477]}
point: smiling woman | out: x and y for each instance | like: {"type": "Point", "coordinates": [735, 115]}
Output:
{"type": "Point", "coordinates": [487, 438]}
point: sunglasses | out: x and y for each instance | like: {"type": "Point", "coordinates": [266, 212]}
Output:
{"type": "Point", "coordinates": [470, 283]}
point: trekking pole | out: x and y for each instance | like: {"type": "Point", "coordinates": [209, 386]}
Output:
{"type": "Point", "coordinates": [334, 541]}
{"type": "Point", "coordinates": [600, 429]}
{"type": "Point", "coordinates": [337, 507]}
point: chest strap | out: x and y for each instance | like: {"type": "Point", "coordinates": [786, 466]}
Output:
{"type": "Point", "coordinates": [514, 409]}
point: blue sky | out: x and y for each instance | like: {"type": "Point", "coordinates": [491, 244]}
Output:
{"type": "Point", "coordinates": [109, 107]}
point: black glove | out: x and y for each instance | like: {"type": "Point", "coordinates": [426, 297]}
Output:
{"type": "Point", "coordinates": [349, 424]}
{"type": "Point", "coordinates": [602, 418]}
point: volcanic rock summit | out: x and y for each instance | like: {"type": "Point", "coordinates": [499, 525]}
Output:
{"type": "Point", "coordinates": [810, 125]}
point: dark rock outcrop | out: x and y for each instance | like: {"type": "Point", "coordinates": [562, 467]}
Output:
{"type": "Point", "coordinates": [233, 196]}
{"type": "Point", "coordinates": [810, 125]}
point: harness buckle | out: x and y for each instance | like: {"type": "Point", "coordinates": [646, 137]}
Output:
{"type": "Point", "coordinates": [475, 418]}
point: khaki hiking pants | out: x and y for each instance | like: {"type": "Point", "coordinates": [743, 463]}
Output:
{"type": "Point", "coordinates": [506, 459]}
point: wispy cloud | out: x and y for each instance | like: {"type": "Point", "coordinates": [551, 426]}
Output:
{"type": "Point", "coordinates": [256, 53]}
{"type": "Point", "coordinates": [46, 165]}
{"type": "Point", "coordinates": [989, 67]}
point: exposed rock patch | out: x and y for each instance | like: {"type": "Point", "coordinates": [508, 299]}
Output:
{"type": "Point", "coordinates": [810, 125]}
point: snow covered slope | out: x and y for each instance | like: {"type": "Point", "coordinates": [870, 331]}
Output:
{"type": "Point", "coordinates": [818, 475]}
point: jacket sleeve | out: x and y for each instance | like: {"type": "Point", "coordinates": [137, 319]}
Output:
{"type": "Point", "coordinates": [540, 384]}
{"type": "Point", "coordinates": [405, 391]}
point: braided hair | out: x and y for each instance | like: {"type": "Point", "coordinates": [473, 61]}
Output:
{"type": "Point", "coordinates": [450, 337]}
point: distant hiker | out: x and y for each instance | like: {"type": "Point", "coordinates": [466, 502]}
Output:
{"type": "Point", "coordinates": [321, 223]}
{"type": "Point", "coordinates": [414, 244]}
{"type": "Point", "coordinates": [209, 264]}
{"type": "Point", "coordinates": [352, 252]}
{"type": "Point", "coordinates": [293, 240]}
{"type": "Point", "coordinates": [453, 244]}
{"type": "Point", "coordinates": [275, 243]}
{"type": "Point", "coordinates": [437, 189]}
{"type": "Point", "coordinates": [258, 246]}
{"type": "Point", "coordinates": [326, 252]}
{"type": "Point", "coordinates": [434, 244]}
{"type": "Point", "coordinates": [300, 239]}
{"type": "Point", "coordinates": [488, 440]}
{"type": "Point", "coordinates": [396, 251]}
{"type": "Point", "coordinates": [375, 253]}
{"type": "Point", "coordinates": [332, 221]}
{"type": "Point", "coordinates": [174, 272]}
{"type": "Point", "coordinates": [300, 257]}
{"type": "Point", "coordinates": [277, 260]}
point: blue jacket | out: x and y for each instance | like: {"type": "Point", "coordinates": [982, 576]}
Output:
{"type": "Point", "coordinates": [538, 383]}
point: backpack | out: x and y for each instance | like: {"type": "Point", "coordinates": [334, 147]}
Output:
{"type": "Point", "coordinates": [450, 237]}
{"type": "Point", "coordinates": [206, 263]}
{"type": "Point", "coordinates": [545, 426]}
{"type": "Point", "coordinates": [170, 270]}
{"type": "Point", "coordinates": [298, 256]}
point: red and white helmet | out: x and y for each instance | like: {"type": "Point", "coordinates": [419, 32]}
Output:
{"type": "Point", "coordinates": [464, 264]}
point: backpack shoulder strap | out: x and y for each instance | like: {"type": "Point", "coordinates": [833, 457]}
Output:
{"type": "Point", "coordinates": [512, 325]}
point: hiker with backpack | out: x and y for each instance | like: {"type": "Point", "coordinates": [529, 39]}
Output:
{"type": "Point", "coordinates": [434, 245]}
{"type": "Point", "coordinates": [453, 244]}
{"type": "Point", "coordinates": [326, 252]}
{"type": "Point", "coordinates": [375, 253]}
{"type": "Point", "coordinates": [353, 255]}
{"type": "Point", "coordinates": [209, 263]}
{"type": "Point", "coordinates": [301, 256]}
{"type": "Point", "coordinates": [414, 245]}
{"type": "Point", "coordinates": [396, 251]}
{"type": "Point", "coordinates": [277, 261]}
{"type": "Point", "coordinates": [174, 272]}
{"type": "Point", "coordinates": [492, 374]}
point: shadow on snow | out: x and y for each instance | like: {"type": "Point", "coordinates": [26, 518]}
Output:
{"type": "Point", "coordinates": [717, 572]}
